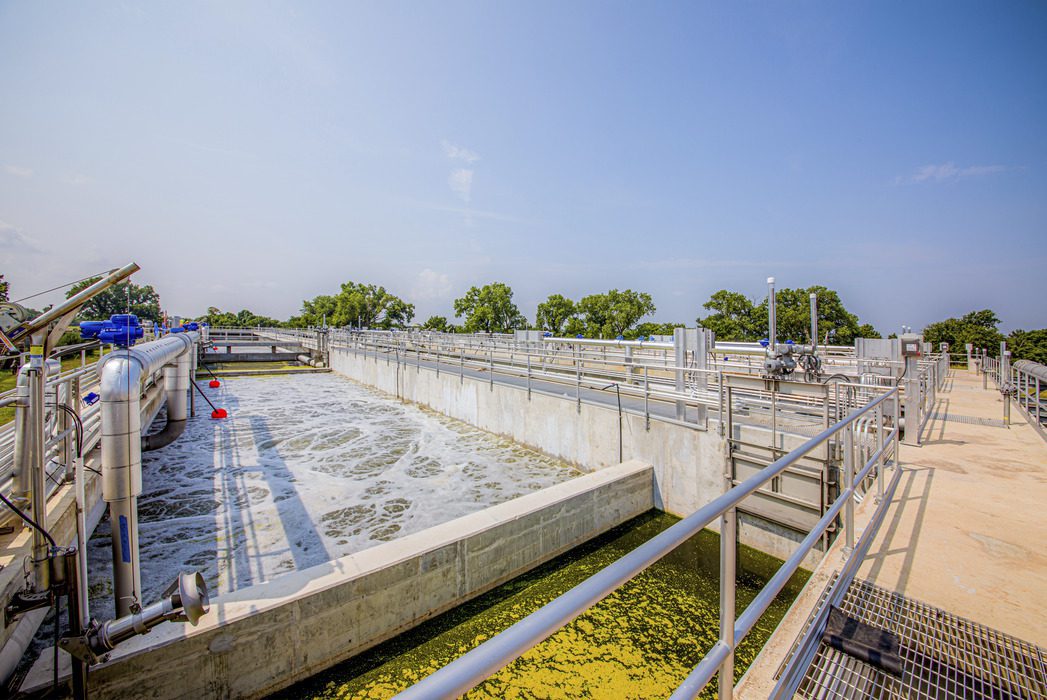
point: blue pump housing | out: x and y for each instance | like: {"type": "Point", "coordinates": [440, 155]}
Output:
{"type": "Point", "coordinates": [121, 329]}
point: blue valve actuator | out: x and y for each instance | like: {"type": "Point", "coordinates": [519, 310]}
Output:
{"type": "Point", "coordinates": [121, 329]}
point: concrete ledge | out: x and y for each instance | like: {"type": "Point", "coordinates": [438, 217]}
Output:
{"type": "Point", "coordinates": [263, 638]}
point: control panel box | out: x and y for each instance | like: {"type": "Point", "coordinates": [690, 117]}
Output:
{"type": "Point", "coordinates": [910, 345]}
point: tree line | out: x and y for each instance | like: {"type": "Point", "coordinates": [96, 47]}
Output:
{"type": "Point", "coordinates": [732, 316]}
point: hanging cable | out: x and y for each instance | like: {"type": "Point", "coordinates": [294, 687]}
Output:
{"type": "Point", "coordinates": [63, 286]}
{"type": "Point", "coordinates": [29, 520]}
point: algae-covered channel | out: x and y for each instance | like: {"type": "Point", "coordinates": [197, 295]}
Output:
{"type": "Point", "coordinates": [639, 642]}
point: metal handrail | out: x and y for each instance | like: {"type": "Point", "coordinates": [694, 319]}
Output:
{"type": "Point", "coordinates": [473, 667]}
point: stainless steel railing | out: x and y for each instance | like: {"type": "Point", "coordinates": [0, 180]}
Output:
{"type": "Point", "coordinates": [470, 669]}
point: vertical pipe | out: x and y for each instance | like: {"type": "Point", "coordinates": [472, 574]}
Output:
{"type": "Point", "coordinates": [814, 322]}
{"type": "Point", "coordinates": [772, 331]}
{"type": "Point", "coordinates": [848, 482]}
{"type": "Point", "coordinates": [728, 577]}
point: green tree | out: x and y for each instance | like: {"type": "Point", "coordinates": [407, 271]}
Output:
{"type": "Point", "coordinates": [356, 304]}
{"type": "Point", "coordinates": [1028, 345]}
{"type": "Point", "coordinates": [435, 323]}
{"type": "Point", "coordinates": [976, 327]}
{"type": "Point", "coordinates": [489, 309]}
{"type": "Point", "coordinates": [554, 313]}
{"type": "Point", "coordinates": [794, 316]}
{"type": "Point", "coordinates": [612, 314]}
{"type": "Point", "coordinates": [243, 319]}
{"type": "Point", "coordinates": [733, 318]}
{"type": "Point", "coordinates": [649, 329]}
{"type": "Point", "coordinates": [122, 298]}
{"type": "Point", "coordinates": [866, 330]}
{"type": "Point", "coordinates": [4, 287]}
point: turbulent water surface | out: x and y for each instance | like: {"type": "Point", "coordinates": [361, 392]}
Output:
{"type": "Point", "coordinates": [305, 469]}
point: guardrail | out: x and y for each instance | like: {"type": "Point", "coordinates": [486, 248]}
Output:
{"type": "Point", "coordinates": [470, 669]}
{"type": "Point", "coordinates": [1028, 380]}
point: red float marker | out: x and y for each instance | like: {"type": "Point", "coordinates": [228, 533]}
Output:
{"type": "Point", "coordinates": [219, 413]}
{"type": "Point", "coordinates": [214, 384]}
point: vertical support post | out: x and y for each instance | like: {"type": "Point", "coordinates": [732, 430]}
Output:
{"type": "Point", "coordinates": [577, 379]}
{"type": "Point", "coordinates": [76, 627]}
{"type": "Point", "coordinates": [897, 426]}
{"type": "Point", "coordinates": [490, 357]}
{"type": "Point", "coordinates": [848, 482]}
{"type": "Point", "coordinates": [728, 558]}
{"type": "Point", "coordinates": [461, 365]}
{"type": "Point", "coordinates": [646, 399]}
{"type": "Point", "coordinates": [881, 461]}
{"type": "Point", "coordinates": [680, 350]}
{"type": "Point", "coordinates": [438, 360]}
{"type": "Point", "coordinates": [528, 377]}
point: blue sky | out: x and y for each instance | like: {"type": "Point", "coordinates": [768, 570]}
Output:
{"type": "Point", "coordinates": [255, 154]}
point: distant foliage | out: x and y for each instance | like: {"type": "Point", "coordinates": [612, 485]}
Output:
{"type": "Point", "coordinates": [555, 313]}
{"type": "Point", "coordinates": [357, 305]}
{"type": "Point", "coordinates": [735, 317]}
{"type": "Point", "coordinates": [649, 329]}
{"type": "Point", "coordinates": [614, 313]}
{"type": "Point", "coordinates": [1029, 345]}
{"type": "Point", "coordinates": [122, 298]}
{"type": "Point", "coordinates": [439, 324]}
{"type": "Point", "coordinates": [4, 287]}
{"type": "Point", "coordinates": [243, 319]}
{"type": "Point", "coordinates": [980, 329]}
{"type": "Point", "coordinates": [489, 309]}
{"type": "Point", "coordinates": [977, 328]}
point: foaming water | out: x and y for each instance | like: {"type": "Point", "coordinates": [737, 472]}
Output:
{"type": "Point", "coordinates": [306, 468]}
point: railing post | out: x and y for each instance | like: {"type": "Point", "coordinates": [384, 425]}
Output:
{"type": "Point", "coordinates": [490, 356]}
{"type": "Point", "coordinates": [528, 377]}
{"type": "Point", "coordinates": [848, 482]}
{"type": "Point", "coordinates": [461, 365]}
{"type": "Point", "coordinates": [646, 399]}
{"type": "Point", "coordinates": [881, 461]}
{"type": "Point", "coordinates": [577, 379]}
{"type": "Point", "coordinates": [728, 558]}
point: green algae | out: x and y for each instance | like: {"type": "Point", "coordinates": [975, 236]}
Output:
{"type": "Point", "coordinates": [639, 642]}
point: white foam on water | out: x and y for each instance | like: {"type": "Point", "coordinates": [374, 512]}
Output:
{"type": "Point", "coordinates": [306, 468]}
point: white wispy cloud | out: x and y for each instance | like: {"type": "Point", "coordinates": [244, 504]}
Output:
{"type": "Point", "coordinates": [461, 182]}
{"type": "Point", "coordinates": [18, 171]}
{"type": "Point", "coordinates": [456, 152]}
{"type": "Point", "coordinates": [946, 172]}
{"type": "Point", "coordinates": [77, 179]}
{"type": "Point", "coordinates": [431, 285]}
{"type": "Point", "coordinates": [14, 241]}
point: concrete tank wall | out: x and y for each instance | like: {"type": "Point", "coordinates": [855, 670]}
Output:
{"type": "Point", "coordinates": [263, 638]}
{"type": "Point", "coordinates": [688, 462]}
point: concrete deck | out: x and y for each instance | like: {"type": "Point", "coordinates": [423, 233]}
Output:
{"type": "Point", "coordinates": [968, 528]}
{"type": "Point", "coordinates": [965, 532]}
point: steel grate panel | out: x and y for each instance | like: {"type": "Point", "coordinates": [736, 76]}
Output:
{"type": "Point", "coordinates": [970, 420]}
{"type": "Point", "coordinates": [945, 657]}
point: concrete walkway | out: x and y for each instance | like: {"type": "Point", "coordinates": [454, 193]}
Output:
{"type": "Point", "coordinates": [966, 531]}
{"type": "Point", "coordinates": [968, 528]}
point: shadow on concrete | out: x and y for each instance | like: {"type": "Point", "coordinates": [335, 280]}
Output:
{"type": "Point", "coordinates": [916, 492]}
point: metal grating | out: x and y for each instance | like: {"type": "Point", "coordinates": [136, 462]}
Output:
{"type": "Point", "coordinates": [970, 420]}
{"type": "Point", "coordinates": [945, 657]}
